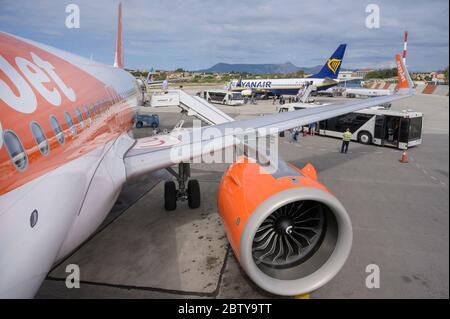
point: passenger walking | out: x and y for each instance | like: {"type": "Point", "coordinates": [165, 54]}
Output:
{"type": "Point", "coordinates": [305, 131]}
{"type": "Point", "coordinates": [295, 133]}
{"type": "Point", "coordinates": [300, 92]}
{"type": "Point", "coordinates": [312, 129]}
{"type": "Point", "coordinates": [165, 85]}
{"type": "Point", "coordinates": [346, 137]}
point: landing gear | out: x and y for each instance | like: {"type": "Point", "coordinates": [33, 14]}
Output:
{"type": "Point", "coordinates": [191, 193]}
{"type": "Point", "coordinates": [170, 195]}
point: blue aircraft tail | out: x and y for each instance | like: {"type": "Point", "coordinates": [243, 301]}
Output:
{"type": "Point", "coordinates": [333, 65]}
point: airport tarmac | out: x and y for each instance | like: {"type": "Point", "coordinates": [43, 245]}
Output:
{"type": "Point", "coordinates": [400, 216]}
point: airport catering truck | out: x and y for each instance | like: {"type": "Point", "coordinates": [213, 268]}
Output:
{"type": "Point", "coordinates": [222, 97]}
{"type": "Point", "coordinates": [376, 125]}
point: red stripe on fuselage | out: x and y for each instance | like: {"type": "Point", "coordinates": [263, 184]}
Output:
{"type": "Point", "coordinates": [115, 119]}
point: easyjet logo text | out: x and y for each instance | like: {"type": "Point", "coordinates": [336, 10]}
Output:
{"type": "Point", "coordinates": [25, 75]}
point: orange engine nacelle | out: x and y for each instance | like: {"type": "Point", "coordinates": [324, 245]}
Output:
{"type": "Point", "coordinates": [288, 232]}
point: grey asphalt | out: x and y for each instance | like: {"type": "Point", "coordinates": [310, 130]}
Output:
{"type": "Point", "coordinates": [400, 216]}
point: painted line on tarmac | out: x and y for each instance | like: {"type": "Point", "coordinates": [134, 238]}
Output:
{"type": "Point", "coordinates": [435, 179]}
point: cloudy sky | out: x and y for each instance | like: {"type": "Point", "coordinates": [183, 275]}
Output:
{"type": "Point", "coordinates": [196, 34]}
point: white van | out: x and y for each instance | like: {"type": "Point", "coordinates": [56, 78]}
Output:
{"type": "Point", "coordinates": [222, 97]}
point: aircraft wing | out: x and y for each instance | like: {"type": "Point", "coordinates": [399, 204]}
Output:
{"type": "Point", "coordinates": [161, 151]}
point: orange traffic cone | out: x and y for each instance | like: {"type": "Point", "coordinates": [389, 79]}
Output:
{"type": "Point", "coordinates": [404, 158]}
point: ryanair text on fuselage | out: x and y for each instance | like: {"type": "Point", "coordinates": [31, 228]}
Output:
{"type": "Point", "coordinates": [256, 84]}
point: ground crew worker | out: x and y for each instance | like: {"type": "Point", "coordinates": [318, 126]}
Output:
{"type": "Point", "coordinates": [346, 137]}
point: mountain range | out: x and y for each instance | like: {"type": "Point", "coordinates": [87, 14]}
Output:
{"type": "Point", "coordinates": [287, 67]}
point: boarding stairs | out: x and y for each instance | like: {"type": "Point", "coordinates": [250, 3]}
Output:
{"type": "Point", "coordinates": [192, 106]}
{"type": "Point", "coordinates": [305, 96]}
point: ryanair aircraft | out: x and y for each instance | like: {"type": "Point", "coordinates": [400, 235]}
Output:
{"type": "Point", "coordinates": [326, 78]}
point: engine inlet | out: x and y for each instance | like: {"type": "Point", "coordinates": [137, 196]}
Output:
{"type": "Point", "coordinates": [290, 234]}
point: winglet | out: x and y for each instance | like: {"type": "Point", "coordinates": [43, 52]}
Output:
{"type": "Point", "coordinates": [405, 84]}
{"type": "Point", "coordinates": [118, 55]}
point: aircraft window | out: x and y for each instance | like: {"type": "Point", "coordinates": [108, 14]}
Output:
{"type": "Point", "coordinates": [57, 129]}
{"type": "Point", "coordinates": [40, 138]}
{"type": "Point", "coordinates": [80, 118]}
{"type": "Point", "coordinates": [87, 114]}
{"type": "Point", "coordinates": [69, 122]}
{"type": "Point", "coordinates": [15, 150]}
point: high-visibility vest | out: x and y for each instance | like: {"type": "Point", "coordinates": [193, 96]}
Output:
{"type": "Point", "coordinates": [347, 136]}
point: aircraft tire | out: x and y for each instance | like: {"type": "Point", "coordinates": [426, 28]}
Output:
{"type": "Point", "coordinates": [193, 191]}
{"type": "Point", "coordinates": [170, 195]}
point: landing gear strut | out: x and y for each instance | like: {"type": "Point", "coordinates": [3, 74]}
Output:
{"type": "Point", "coordinates": [189, 192]}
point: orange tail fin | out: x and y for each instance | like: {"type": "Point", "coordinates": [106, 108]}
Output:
{"type": "Point", "coordinates": [404, 80]}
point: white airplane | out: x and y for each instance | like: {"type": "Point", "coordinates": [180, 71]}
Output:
{"type": "Point", "coordinates": [363, 92]}
{"type": "Point", "coordinates": [325, 79]}
{"type": "Point", "coordinates": [150, 81]}
{"type": "Point", "coordinates": [66, 150]}
{"type": "Point", "coordinates": [353, 92]}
